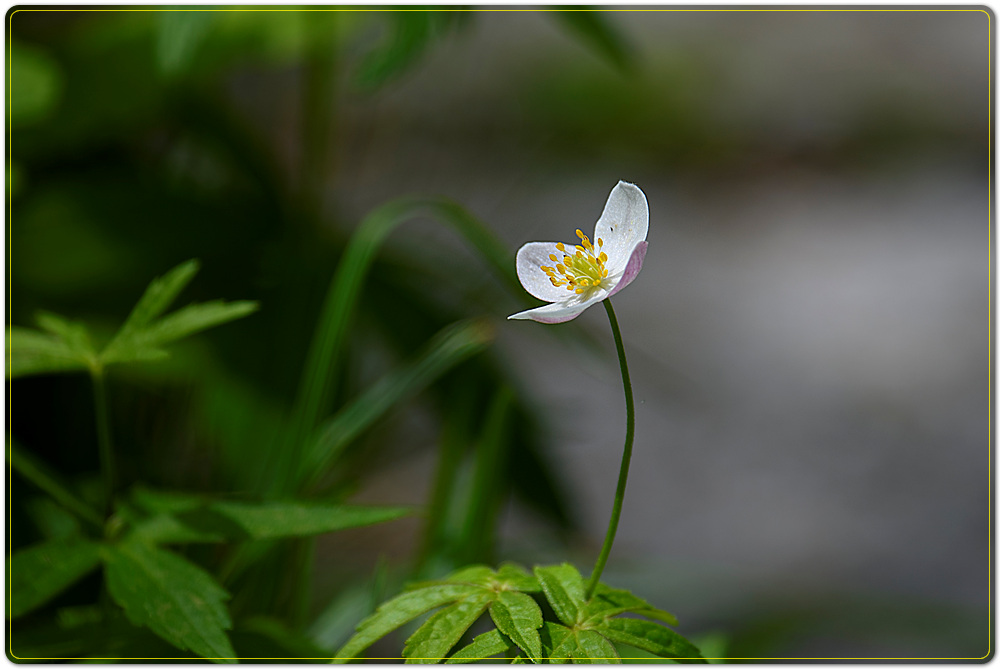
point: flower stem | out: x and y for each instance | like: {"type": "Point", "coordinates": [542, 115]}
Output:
{"type": "Point", "coordinates": [616, 510]}
{"type": "Point", "coordinates": [104, 437]}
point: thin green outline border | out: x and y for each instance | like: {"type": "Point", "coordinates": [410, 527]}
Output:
{"type": "Point", "coordinates": [362, 8]}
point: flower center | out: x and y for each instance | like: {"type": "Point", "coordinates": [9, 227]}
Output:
{"type": "Point", "coordinates": [581, 268]}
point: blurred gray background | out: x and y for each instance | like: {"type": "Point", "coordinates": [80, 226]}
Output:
{"type": "Point", "coordinates": [809, 335]}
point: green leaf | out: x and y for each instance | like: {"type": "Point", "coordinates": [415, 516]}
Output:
{"type": "Point", "coordinates": [275, 520]}
{"type": "Point", "coordinates": [166, 501]}
{"type": "Point", "coordinates": [608, 602]}
{"type": "Point", "coordinates": [398, 611]}
{"type": "Point", "coordinates": [592, 28]}
{"type": "Point", "coordinates": [218, 521]}
{"type": "Point", "coordinates": [194, 318]}
{"type": "Point", "coordinates": [164, 528]}
{"type": "Point", "coordinates": [174, 598]}
{"type": "Point", "coordinates": [483, 646]}
{"type": "Point", "coordinates": [564, 588]}
{"type": "Point", "coordinates": [452, 345]}
{"type": "Point", "coordinates": [516, 578]}
{"type": "Point", "coordinates": [650, 636]}
{"type": "Point", "coordinates": [557, 642]}
{"type": "Point", "coordinates": [42, 571]}
{"type": "Point", "coordinates": [592, 648]}
{"type": "Point", "coordinates": [432, 641]}
{"type": "Point", "coordinates": [477, 574]}
{"type": "Point", "coordinates": [159, 295]}
{"type": "Point", "coordinates": [144, 332]}
{"type": "Point", "coordinates": [508, 577]}
{"type": "Point", "coordinates": [145, 344]}
{"type": "Point", "coordinates": [74, 335]}
{"type": "Point", "coordinates": [32, 352]}
{"type": "Point", "coordinates": [518, 616]}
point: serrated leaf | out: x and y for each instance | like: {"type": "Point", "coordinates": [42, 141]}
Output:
{"type": "Point", "coordinates": [564, 588]}
{"type": "Point", "coordinates": [40, 572]}
{"type": "Point", "coordinates": [144, 344]}
{"type": "Point", "coordinates": [163, 528]}
{"type": "Point", "coordinates": [651, 637]}
{"type": "Point", "coordinates": [557, 642]}
{"type": "Point", "coordinates": [518, 616]}
{"type": "Point", "coordinates": [159, 295]}
{"type": "Point", "coordinates": [483, 646]}
{"type": "Point", "coordinates": [218, 521]}
{"type": "Point", "coordinates": [144, 332]}
{"type": "Point", "coordinates": [174, 598]}
{"type": "Point", "coordinates": [477, 574]}
{"type": "Point", "coordinates": [33, 352]}
{"type": "Point", "coordinates": [432, 641]}
{"type": "Point", "coordinates": [74, 335]}
{"type": "Point", "coordinates": [195, 318]}
{"type": "Point", "coordinates": [592, 648]}
{"type": "Point", "coordinates": [398, 611]}
{"type": "Point", "coordinates": [166, 501]}
{"type": "Point", "coordinates": [608, 602]}
{"type": "Point", "coordinates": [517, 578]}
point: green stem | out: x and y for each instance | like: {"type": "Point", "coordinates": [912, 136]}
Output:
{"type": "Point", "coordinates": [36, 473]}
{"type": "Point", "coordinates": [104, 437]}
{"type": "Point", "coordinates": [616, 510]}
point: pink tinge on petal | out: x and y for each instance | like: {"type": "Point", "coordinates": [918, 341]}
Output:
{"type": "Point", "coordinates": [633, 267]}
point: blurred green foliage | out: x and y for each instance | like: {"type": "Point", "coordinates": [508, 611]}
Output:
{"type": "Point", "coordinates": [132, 149]}
{"type": "Point", "coordinates": [128, 156]}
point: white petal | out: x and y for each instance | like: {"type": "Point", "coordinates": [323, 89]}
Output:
{"type": "Point", "coordinates": [632, 268]}
{"type": "Point", "coordinates": [624, 223]}
{"type": "Point", "coordinates": [530, 259]}
{"type": "Point", "coordinates": [559, 312]}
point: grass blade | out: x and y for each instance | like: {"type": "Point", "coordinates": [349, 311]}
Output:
{"type": "Point", "coordinates": [451, 346]}
{"type": "Point", "coordinates": [323, 362]}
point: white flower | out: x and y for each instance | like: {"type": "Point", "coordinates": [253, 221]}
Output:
{"type": "Point", "coordinates": [572, 277]}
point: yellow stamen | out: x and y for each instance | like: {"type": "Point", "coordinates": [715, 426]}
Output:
{"type": "Point", "coordinates": [582, 268]}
